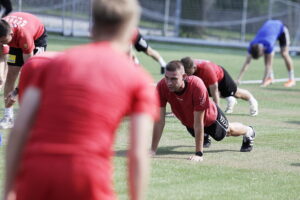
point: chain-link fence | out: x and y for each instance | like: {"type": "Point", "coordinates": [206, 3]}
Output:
{"type": "Point", "coordinates": [212, 21]}
{"type": "Point", "coordinates": [69, 17]}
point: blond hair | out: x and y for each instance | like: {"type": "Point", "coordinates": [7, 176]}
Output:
{"type": "Point", "coordinates": [112, 16]}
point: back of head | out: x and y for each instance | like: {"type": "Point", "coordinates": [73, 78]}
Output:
{"type": "Point", "coordinates": [175, 65]}
{"type": "Point", "coordinates": [256, 51]}
{"type": "Point", "coordinates": [4, 28]}
{"type": "Point", "coordinates": [112, 17]}
{"type": "Point", "coordinates": [187, 62]}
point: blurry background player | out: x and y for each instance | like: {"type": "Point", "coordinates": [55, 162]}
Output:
{"type": "Point", "coordinates": [29, 71]}
{"type": "Point", "coordinates": [5, 7]}
{"type": "Point", "coordinates": [219, 83]}
{"type": "Point", "coordinates": [140, 44]}
{"type": "Point", "coordinates": [71, 114]}
{"type": "Point", "coordinates": [26, 35]}
{"type": "Point", "coordinates": [4, 50]}
{"type": "Point", "coordinates": [190, 103]}
{"type": "Point", "coordinates": [263, 45]}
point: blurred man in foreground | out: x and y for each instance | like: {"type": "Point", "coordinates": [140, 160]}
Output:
{"type": "Point", "coordinates": [63, 137]}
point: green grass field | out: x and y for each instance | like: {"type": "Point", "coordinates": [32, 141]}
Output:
{"type": "Point", "coordinates": [270, 171]}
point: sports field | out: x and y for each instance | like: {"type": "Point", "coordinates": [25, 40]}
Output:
{"type": "Point", "coordinates": [270, 171]}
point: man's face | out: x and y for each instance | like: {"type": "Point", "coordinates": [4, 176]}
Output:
{"type": "Point", "coordinates": [190, 71]}
{"type": "Point", "coordinates": [174, 80]}
{"type": "Point", "coordinates": [5, 39]}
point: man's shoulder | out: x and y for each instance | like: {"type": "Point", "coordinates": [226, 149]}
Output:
{"type": "Point", "coordinates": [196, 84]}
{"type": "Point", "coordinates": [195, 81]}
{"type": "Point", "coordinates": [161, 83]}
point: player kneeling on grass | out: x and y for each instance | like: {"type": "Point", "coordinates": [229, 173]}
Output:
{"type": "Point", "coordinates": [190, 103]}
{"type": "Point", "coordinates": [219, 82]}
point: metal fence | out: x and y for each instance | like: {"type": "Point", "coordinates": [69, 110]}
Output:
{"type": "Point", "coordinates": [226, 22]}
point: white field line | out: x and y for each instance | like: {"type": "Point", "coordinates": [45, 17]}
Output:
{"type": "Point", "coordinates": [274, 81]}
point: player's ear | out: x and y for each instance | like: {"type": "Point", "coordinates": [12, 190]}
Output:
{"type": "Point", "coordinates": [184, 76]}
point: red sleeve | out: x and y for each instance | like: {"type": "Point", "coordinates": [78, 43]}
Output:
{"type": "Point", "coordinates": [145, 96]}
{"type": "Point", "coordinates": [210, 76]}
{"type": "Point", "coordinates": [40, 74]}
{"type": "Point", "coordinates": [29, 72]}
{"type": "Point", "coordinates": [200, 96]}
{"type": "Point", "coordinates": [24, 78]}
{"type": "Point", "coordinates": [26, 41]}
{"type": "Point", "coordinates": [161, 90]}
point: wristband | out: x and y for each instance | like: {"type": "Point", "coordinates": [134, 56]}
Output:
{"type": "Point", "coordinates": [199, 153]}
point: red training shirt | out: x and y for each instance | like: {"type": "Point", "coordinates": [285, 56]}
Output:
{"type": "Point", "coordinates": [32, 68]}
{"type": "Point", "coordinates": [194, 98]}
{"type": "Point", "coordinates": [85, 93]}
{"type": "Point", "coordinates": [208, 71]}
{"type": "Point", "coordinates": [26, 29]}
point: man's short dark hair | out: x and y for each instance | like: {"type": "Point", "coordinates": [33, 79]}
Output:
{"type": "Point", "coordinates": [174, 66]}
{"type": "Point", "coordinates": [4, 28]}
{"type": "Point", "coordinates": [255, 51]}
{"type": "Point", "coordinates": [187, 62]}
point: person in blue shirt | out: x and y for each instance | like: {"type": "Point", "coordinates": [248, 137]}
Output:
{"type": "Point", "coordinates": [263, 45]}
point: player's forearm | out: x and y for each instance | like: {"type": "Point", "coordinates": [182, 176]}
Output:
{"type": "Point", "coordinates": [199, 137]}
{"type": "Point", "coordinates": [244, 68]}
{"type": "Point", "coordinates": [141, 129]}
{"type": "Point", "coordinates": [157, 132]}
{"type": "Point", "coordinates": [3, 69]}
{"type": "Point", "coordinates": [215, 93]}
{"type": "Point", "coordinates": [139, 175]}
{"type": "Point", "coordinates": [19, 135]}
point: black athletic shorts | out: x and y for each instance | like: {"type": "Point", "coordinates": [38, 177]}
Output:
{"type": "Point", "coordinates": [15, 57]}
{"type": "Point", "coordinates": [227, 86]}
{"type": "Point", "coordinates": [218, 130]}
{"type": "Point", "coordinates": [284, 38]}
{"type": "Point", "coordinates": [141, 44]}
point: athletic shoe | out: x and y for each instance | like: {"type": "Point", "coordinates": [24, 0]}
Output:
{"type": "Point", "coordinates": [254, 109]}
{"type": "Point", "coordinates": [248, 142]}
{"type": "Point", "coordinates": [6, 122]}
{"type": "Point", "coordinates": [207, 141]}
{"type": "Point", "coordinates": [267, 82]}
{"type": "Point", "coordinates": [230, 106]}
{"type": "Point", "coordinates": [290, 83]}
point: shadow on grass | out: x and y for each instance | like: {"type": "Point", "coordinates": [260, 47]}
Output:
{"type": "Point", "coordinates": [295, 164]}
{"type": "Point", "coordinates": [293, 122]}
{"type": "Point", "coordinates": [170, 150]}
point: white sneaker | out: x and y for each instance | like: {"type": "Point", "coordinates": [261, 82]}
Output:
{"type": "Point", "coordinates": [230, 105]}
{"type": "Point", "coordinates": [6, 122]}
{"type": "Point", "coordinates": [254, 109]}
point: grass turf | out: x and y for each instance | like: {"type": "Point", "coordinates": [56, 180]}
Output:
{"type": "Point", "coordinates": [270, 171]}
